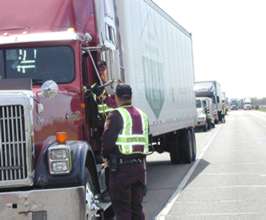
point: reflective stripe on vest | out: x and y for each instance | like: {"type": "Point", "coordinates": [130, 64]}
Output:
{"type": "Point", "coordinates": [104, 108]}
{"type": "Point", "coordinates": [129, 143]}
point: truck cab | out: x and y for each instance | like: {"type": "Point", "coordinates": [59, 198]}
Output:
{"type": "Point", "coordinates": [247, 104]}
{"type": "Point", "coordinates": [48, 120]}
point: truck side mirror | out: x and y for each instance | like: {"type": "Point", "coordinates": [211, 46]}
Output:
{"type": "Point", "coordinates": [49, 89]}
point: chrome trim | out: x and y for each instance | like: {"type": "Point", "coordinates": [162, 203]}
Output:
{"type": "Point", "coordinates": [24, 158]}
{"type": "Point", "coordinates": [39, 37]}
{"type": "Point", "coordinates": [60, 203]}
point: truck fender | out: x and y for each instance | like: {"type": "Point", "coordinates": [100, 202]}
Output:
{"type": "Point", "coordinates": [82, 156]}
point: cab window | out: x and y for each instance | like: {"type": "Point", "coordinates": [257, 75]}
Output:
{"type": "Point", "coordinates": [39, 64]}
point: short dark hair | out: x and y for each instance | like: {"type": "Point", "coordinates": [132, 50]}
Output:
{"type": "Point", "coordinates": [102, 65]}
{"type": "Point", "coordinates": [124, 92]}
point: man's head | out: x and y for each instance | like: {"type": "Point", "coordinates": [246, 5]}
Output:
{"type": "Point", "coordinates": [102, 67]}
{"type": "Point", "coordinates": [123, 94]}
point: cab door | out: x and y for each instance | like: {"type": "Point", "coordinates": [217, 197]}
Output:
{"type": "Point", "coordinates": [108, 33]}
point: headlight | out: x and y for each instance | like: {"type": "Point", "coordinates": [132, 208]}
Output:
{"type": "Point", "coordinates": [59, 159]}
{"type": "Point", "coordinates": [58, 154]}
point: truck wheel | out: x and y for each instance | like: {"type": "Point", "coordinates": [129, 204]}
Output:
{"type": "Point", "coordinates": [187, 146]}
{"type": "Point", "coordinates": [194, 144]}
{"type": "Point", "coordinates": [91, 207]}
{"type": "Point", "coordinates": [210, 125]}
{"type": "Point", "coordinates": [205, 127]}
{"type": "Point", "coordinates": [174, 149]}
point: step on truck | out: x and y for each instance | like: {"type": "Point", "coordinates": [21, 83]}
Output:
{"type": "Point", "coordinates": [48, 55]}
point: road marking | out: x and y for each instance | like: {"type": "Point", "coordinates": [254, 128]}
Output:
{"type": "Point", "coordinates": [228, 187]}
{"type": "Point", "coordinates": [223, 214]}
{"type": "Point", "coordinates": [181, 186]}
{"type": "Point", "coordinates": [234, 174]}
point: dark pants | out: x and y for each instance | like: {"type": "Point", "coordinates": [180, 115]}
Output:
{"type": "Point", "coordinates": [127, 190]}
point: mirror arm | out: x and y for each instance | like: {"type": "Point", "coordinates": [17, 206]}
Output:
{"type": "Point", "coordinates": [95, 67]}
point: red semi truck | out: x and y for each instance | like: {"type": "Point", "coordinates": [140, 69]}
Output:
{"type": "Point", "coordinates": [48, 55]}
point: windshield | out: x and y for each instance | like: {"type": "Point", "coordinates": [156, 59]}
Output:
{"type": "Point", "coordinates": [39, 64]}
{"type": "Point", "coordinates": [203, 86]}
{"type": "Point", "coordinates": [198, 103]}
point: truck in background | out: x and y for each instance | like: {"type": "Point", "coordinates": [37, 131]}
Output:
{"type": "Point", "coordinates": [205, 117]}
{"type": "Point", "coordinates": [247, 104]}
{"type": "Point", "coordinates": [235, 104]}
{"type": "Point", "coordinates": [48, 123]}
{"type": "Point", "coordinates": [211, 89]}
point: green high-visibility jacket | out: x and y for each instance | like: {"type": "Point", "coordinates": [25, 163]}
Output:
{"type": "Point", "coordinates": [129, 143]}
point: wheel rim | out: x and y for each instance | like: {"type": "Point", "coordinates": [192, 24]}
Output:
{"type": "Point", "coordinates": [90, 203]}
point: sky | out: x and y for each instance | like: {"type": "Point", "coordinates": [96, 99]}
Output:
{"type": "Point", "coordinates": [229, 42]}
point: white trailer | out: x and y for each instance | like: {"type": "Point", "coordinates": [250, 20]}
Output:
{"type": "Point", "coordinates": [157, 61]}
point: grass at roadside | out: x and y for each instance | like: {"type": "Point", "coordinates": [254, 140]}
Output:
{"type": "Point", "coordinates": [262, 109]}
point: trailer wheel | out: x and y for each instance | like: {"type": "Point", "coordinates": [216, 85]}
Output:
{"type": "Point", "coordinates": [206, 127]}
{"type": "Point", "coordinates": [174, 149]}
{"type": "Point", "coordinates": [194, 144]}
{"type": "Point", "coordinates": [187, 146]}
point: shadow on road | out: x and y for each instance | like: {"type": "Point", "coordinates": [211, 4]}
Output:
{"type": "Point", "coordinates": [199, 169]}
{"type": "Point", "coordinates": [163, 180]}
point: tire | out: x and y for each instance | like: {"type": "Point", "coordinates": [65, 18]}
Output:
{"type": "Point", "coordinates": [187, 146]}
{"type": "Point", "coordinates": [90, 200]}
{"type": "Point", "coordinates": [181, 147]}
{"type": "Point", "coordinates": [209, 126]}
{"type": "Point", "coordinates": [174, 149]}
{"type": "Point", "coordinates": [205, 127]}
{"type": "Point", "coordinates": [194, 144]}
{"type": "Point", "coordinates": [209, 123]}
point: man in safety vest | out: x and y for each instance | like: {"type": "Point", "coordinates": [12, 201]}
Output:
{"type": "Point", "coordinates": [125, 145]}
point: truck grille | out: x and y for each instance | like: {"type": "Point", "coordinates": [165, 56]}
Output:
{"type": "Point", "coordinates": [13, 143]}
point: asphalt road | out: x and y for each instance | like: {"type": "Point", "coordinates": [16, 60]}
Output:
{"type": "Point", "coordinates": [228, 181]}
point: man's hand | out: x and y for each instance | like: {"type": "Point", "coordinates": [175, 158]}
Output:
{"type": "Point", "coordinates": [104, 163]}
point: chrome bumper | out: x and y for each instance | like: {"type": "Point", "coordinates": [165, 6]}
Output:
{"type": "Point", "coordinates": [47, 204]}
{"type": "Point", "coordinates": [200, 123]}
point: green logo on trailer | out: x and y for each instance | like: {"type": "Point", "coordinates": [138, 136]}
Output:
{"type": "Point", "coordinates": [154, 84]}
{"type": "Point", "coordinates": [152, 66]}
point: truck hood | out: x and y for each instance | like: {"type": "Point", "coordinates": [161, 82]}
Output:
{"type": "Point", "coordinates": [59, 113]}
